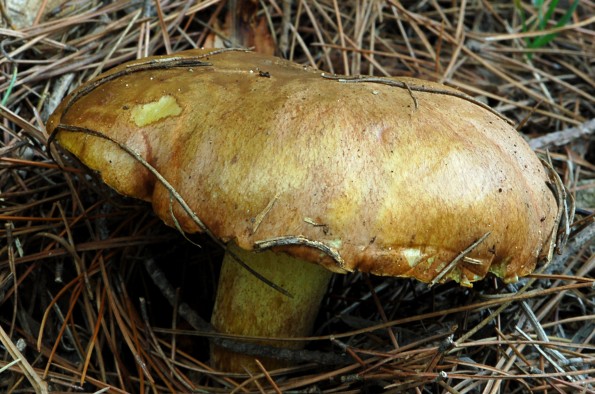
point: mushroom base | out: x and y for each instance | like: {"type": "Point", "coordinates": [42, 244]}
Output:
{"type": "Point", "coordinates": [247, 306]}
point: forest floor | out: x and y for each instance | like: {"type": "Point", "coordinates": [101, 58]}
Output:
{"type": "Point", "coordinates": [79, 311]}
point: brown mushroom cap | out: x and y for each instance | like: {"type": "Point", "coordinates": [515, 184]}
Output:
{"type": "Point", "coordinates": [392, 178]}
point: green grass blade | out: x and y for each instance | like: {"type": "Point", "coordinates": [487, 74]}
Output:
{"type": "Point", "coordinates": [568, 14]}
{"type": "Point", "coordinates": [541, 41]}
{"type": "Point", "coordinates": [548, 15]}
{"type": "Point", "coordinates": [13, 80]}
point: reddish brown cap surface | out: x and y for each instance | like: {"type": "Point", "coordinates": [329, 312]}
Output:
{"type": "Point", "coordinates": [352, 175]}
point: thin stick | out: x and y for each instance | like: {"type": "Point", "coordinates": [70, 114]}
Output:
{"type": "Point", "coordinates": [38, 384]}
{"type": "Point", "coordinates": [268, 376]}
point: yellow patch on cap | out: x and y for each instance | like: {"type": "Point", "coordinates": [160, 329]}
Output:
{"type": "Point", "coordinates": [413, 256]}
{"type": "Point", "coordinates": [144, 114]}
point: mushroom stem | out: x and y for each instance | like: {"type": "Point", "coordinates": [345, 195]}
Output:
{"type": "Point", "coordinates": [247, 306]}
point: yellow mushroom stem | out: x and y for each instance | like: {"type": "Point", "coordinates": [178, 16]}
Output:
{"type": "Point", "coordinates": [245, 305]}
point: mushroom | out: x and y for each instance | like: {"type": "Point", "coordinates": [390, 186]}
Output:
{"type": "Point", "coordinates": [302, 174]}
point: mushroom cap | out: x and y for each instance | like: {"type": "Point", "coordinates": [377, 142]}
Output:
{"type": "Point", "coordinates": [392, 176]}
